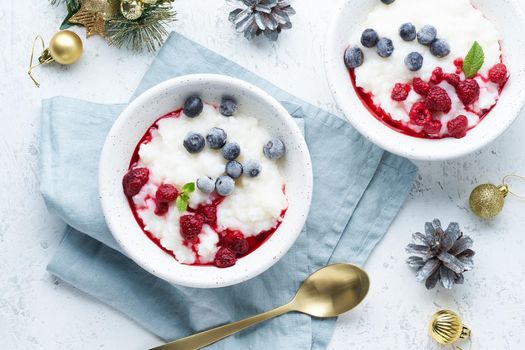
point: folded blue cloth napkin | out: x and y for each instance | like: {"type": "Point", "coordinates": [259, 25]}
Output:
{"type": "Point", "coordinates": [358, 190]}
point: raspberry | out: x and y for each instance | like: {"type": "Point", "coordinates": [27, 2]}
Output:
{"type": "Point", "coordinates": [468, 91]}
{"type": "Point", "coordinates": [134, 180]}
{"type": "Point", "coordinates": [498, 74]}
{"type": "Point", "coordinates": [458, 62]}
{"type": "Point", "coordinates": [237, 243]}
{"type": "Point", "coordinates": [437, 76]}
{"type": "Point", "coordinates": [452, 79]}
{"type": "Point", "coordinates": [225, 258]}
{"type": "Point", "coordinates": [432, 127]}
{"type": "Point", "coordinates": [209, 214]}
{"type": "Point", "coordinates": [420, 86]}
{"type": "Point", "coordinates": [191, 226]}
{"type": "Point", "coordinates": [400, 92]}
{"type": "Point", "coordinates": [419, 114]}
{"type": "Point", "coordinates": [458, 126]}
{"type": "Point", "coordinates": [166, 193]}
{"type": "Point", "coordinates": [161, 208]}
{"type": "Point", "coordinates": [438, 100]}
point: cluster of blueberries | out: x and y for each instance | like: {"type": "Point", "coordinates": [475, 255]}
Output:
{"type": "Point", "coordinates": [427, 36]}
{"type": "Point", "coordinates": [217, 140]}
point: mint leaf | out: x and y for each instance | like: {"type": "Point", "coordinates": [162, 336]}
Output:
{"type": "Point", "coordinates": [474, 60]}
{"type": "Point", "coordinates": [189, 187]}
{"type": "Point", "coordinates": [182, 204]}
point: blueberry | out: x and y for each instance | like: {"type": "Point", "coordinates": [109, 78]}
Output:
{"type": "Point", "coordinates": [440, 48]}
{"type": "Point", "coordinates": [206, 184]}
{"type": "Point", "coordinates": [407, 32]}
{"type": "Point", "coordinates": [385, 47]}
{"type": "Point", "coordinates": [193, 106]}
{"type": "Point", "coordinates": [369, 38]}
{"type": "Point", "coordinates": [274, 149]}
{"type": "Point", "coordinates": [194, 142]}
{"type": "Point", "coordinates": [414, 61]}
{"type": "Point", "coordinates": [252, 168]}
{"type": "Point", "coordinates": [234, 169]}
{"type": "Point", "coordinates": [231, 150]}
{"type": "Point", "coordinates": [228, 107]}
{"type": "Point", "coordinates": [224, 185]}
{"type": "Point", "coordinates": [353, 57]}
{"type": "Point", "coordinates": [387, 2]}
{"type": "Point", "coordinates": [426, 35]}
{"type": "Point", "coordinates": [216, 138]}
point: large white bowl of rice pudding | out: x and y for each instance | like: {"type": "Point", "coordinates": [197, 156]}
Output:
{"type": "Point", "coordinates": [205, 181]}
{"type": "Point", "coordinates": [428, 79]}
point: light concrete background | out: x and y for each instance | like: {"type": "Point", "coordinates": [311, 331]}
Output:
{"type": "Point", "coordinates": [39, 312]}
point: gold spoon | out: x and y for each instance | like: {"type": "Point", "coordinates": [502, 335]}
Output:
{"type": "Point", "coordinates": [329, 292]}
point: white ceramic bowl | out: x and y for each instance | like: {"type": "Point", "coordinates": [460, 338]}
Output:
{"type": "Point", "coordinates": [133, 123]}
{"type": "Point", "coordinates": [506, 15]}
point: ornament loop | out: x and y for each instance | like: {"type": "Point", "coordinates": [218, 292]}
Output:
{"type": "Point", "coordinates": [514, 176]}
{"type": "Point", "coordinates": [41, 60]}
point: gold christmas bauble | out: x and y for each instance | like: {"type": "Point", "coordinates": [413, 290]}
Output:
{"type": "Point", "coordinates": [487, 200]}
{"type": "Point", "coordinates": [132, 9]}
{"type": "Point", "coordinates": [65, 47]}
{"type": "Point", "coordinates": [446, 327]}
{"type": "Point", "coordinates": [150, 2]}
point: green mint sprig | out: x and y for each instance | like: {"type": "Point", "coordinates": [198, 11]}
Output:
{"type": "Point", "coordinates": [474, 60]}
{"type": "Point", "coordinates": [184, 196]}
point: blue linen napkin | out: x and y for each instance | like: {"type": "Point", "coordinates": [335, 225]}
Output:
{"type": "Point", "coordinates": [358, 190]}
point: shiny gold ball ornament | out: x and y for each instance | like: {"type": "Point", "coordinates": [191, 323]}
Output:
{"type": "Point", "coordinates": [65, 47]}
{"type": "Point", "coordinates": [132, 9]}
{"type": "Point", "coordinates": [150, 2]}
{"type": "Point", "coordinates": [487, 200]}
{"type": "Point", "coordinates": [447, 328]}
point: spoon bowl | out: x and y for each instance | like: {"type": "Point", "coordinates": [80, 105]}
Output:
{"type": "Point", "coordinates": [328, 292]}
{"type": "Point", "coordinates": [332, 290]}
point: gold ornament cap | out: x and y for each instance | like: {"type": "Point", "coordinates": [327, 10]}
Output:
{"type": "Point", "coordinates": [487, 200]}
{"type": "Point", "coordinates": [447, 328]}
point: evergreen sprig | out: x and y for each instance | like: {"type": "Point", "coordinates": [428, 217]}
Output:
{"type": "Point", "coordinates": [148, 31]}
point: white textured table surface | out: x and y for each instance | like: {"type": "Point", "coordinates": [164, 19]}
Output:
{"type": "Point", "coordinates": [39, 312]}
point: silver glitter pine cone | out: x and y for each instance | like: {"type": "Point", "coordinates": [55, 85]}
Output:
{"type": "Point", "coordinates": [256, 17]}
{"type": "Point", "coordinates": [441, 255]}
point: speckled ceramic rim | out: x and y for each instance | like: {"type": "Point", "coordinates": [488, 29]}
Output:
{"type": "Point", "coordinates": [506, 16]}
{"type": "Point", "coordinates": [131, 125]}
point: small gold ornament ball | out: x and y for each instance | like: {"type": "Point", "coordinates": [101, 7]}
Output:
{"type": "Point", "coordinates": [487, 200]}
{"type": "Point", "coordinates": [150, 2]}
{"type": "Point", "coordinates": [132, 9]}
{"type": "Point", "coordinates": [65, 47]}
{"type": "Point", "coordinates": [446, 327]}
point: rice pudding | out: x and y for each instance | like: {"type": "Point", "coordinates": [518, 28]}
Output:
{"type": "Point", "coordinates": [204, 183]}
{"type": "Point", "coordinates": [427, 68]}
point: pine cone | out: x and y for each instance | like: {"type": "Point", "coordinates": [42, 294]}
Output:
{"type": "Point", "coordinates": [254, 17]}
{"type": "Point", "coordinates": [441, 255]}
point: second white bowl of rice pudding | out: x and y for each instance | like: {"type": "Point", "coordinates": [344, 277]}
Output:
{"type": "Point", "coordinates": [428, 79]}
{"type": "Point", "coordinates": [205, 181]}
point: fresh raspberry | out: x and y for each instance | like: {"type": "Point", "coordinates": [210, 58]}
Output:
{"type": "Point", "coordinates": [437, 76]}
{"type": "Point", "coordinates": [225, 258]}
{"type": "Point", "coordinates": [400, 92]}
{"type": "Point", "coordinates": [191, 226]}
{"type": "Point", "coordinates": [237, 243]}
{"type": "Point", "coordinates": [498, 74]}
{"type": "Point", "coordinates": [420, 86]}
{"type": "Point", "coordinates": [438, 100]}
{"type": "Point", "coordinates": [432, 127]}
{"type": "Point", "coordinates": [468, 91]}
{"type": "Point", "coordinates": [458, 126]}
{"type": "Point", "coordinates": [161, 208]}
{"type": "Point", "coordinates": [134, 180]}
{"type": "Point", "coordinates": [209, 214]}
{"type": "Point", "coordinates": [419, 114]}
{"type": "Point", "coordinates": [452, 79]}
{"type": "Point", "coordinates": [166, 193]}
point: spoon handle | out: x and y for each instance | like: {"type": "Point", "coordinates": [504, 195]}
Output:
{"type": "Point", "coordinates": [210, 336]}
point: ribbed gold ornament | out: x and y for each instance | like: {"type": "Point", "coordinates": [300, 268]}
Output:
{"type": "Point", "coordinates": [487, 200]}
{"type": "Point", "coordinates": [446, 327]}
